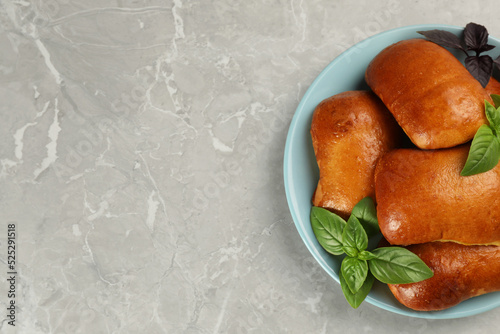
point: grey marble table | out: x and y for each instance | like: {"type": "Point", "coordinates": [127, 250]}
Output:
{"type": "Point", "coordinates": [141, 157]}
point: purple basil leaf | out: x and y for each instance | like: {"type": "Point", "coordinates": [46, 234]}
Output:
{"type": "Point", "coordinates": [481, 68]}
{"type": "Point", "coordinates": [443, 38]}
{"type": "Point", "coordinates": [476, 38]}
{"type": "Point", "coordinates": [486, 47]}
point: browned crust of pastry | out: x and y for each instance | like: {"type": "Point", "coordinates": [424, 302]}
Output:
{"type": "Point", "coordinates": [350, 131]}
{"type": "Point", "coordinates": [493, 86]}
{"type": "Point", "coordinates": [431, 94]}
{"type": "Point", "coordinates": [460, 272]}
{"type": "Point", "coordinates": [422, 197]}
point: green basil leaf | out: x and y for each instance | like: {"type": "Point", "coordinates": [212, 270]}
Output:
{"type": "Point", "coordinates": [366, 213]}
{"type": "Point", "coordinates": [355, 299]}
{"type": "Point", "coordinates": [365, 255]}
{"type": "Point", "coordinates": [397, 265]}
{"type": "Point", "coordinates": [493, 116]}
{"type": "Point", "coordinates": [354, 234]}
{"type": "Point", "coordinates": [328, 228]}
{"type": "Point", "coordinates": [350, 251]}
{"type": "Point", "coordinates": [354, 271]}
{"type": "Point", "coordinates": [496, 100]}
{"type": "Point", "coordinates": [484, 152]}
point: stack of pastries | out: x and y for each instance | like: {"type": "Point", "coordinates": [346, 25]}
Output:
{"type": "Point", "coordinates": [421, 92]}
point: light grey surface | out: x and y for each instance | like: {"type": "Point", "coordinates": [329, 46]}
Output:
{"type": "Point", "coordinates": [141, 160]}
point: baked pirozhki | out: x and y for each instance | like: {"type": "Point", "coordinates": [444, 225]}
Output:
{"type": "Point", "coordinates": [350, 131]}
{"type": "Point", "coordinates": [460, 272]}
{"type": "Point", "coordinates": [422, 197]}
{"type": "Point", "coordinates": [437, 102]}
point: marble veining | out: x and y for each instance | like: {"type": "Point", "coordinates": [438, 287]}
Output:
{"type": "Point", "coordinates": [141, 152]}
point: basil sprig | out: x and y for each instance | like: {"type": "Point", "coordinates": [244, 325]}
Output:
{"type": "Point", "coordinates": [475, 38]}
{"type": "Point", "coordinates": [484, 151]}
{"type": "Point", "coordinates": [360, 267]}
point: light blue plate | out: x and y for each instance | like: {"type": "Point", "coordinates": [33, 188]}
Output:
{"type": "Point", "coordinates": [345, 73]}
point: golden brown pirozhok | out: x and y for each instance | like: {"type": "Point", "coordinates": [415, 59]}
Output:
{"type": "Point", "coordinates": [437, 102]}
{"type": "Point", "coordinates": [350, 131]}
{"type": "Point", "coordinates": [493, 86]}
{"type": "Point", "coordinates": [422, 197]}
{"type": "Point", "coordinates": [460, 272]}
